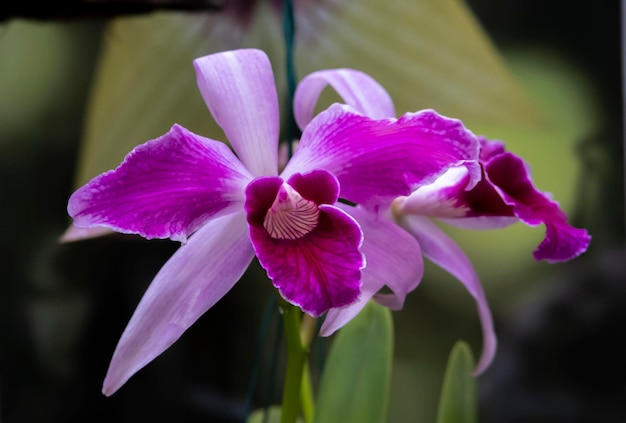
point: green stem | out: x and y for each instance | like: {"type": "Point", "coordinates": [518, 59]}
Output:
{"type": "Point", "coordinates": [296, 359]}
{"type": "Point", "coordinates": [308, 329]}
{"type": "Point", "coordinates": [289, 33]}
{"type": "Point", "coordinates": [306, 395]}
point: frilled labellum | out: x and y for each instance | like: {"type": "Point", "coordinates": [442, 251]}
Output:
{"type": "Point", "coordinates": [291, 216]}
{"type": "Point", "coordinates": [310, 248]}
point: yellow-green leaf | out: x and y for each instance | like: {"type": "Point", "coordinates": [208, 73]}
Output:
{"type": "Point", "coordinates": [427, 53]}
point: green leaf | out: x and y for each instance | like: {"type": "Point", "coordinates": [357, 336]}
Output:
{"type": "Point", "coordinates": [273, 415]}
{"type": "Point", "coordinates": [356, 379]}
{"type": "Point", "coordinates": [458, 394]}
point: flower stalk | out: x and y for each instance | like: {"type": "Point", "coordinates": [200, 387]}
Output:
{"type": "Point", "coordinates": [297, 389]}
{"type": "Point", "coordinates": [289, 33]}
{"type": "Point", "coordinates": [306, 395]}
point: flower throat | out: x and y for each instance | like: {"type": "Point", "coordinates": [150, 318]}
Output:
{"type": "Point", "coordinates": [291, 216]}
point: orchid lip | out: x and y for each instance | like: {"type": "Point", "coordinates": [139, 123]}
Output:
{"type": "Point", "coordinates": [291, 216]}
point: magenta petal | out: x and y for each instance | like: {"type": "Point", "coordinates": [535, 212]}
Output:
{"type": "Point", "coordinates": [490, 149]}
{"type": "Point", "coordinates": [393, 258]}
{"type": "Point", "coordinates": [378, 160]}
{"type": "Point", "coordinates": [239, 90]}
{"type": "Point", "coordinates": [317, 271]}
{"type": "Point", "coordinates": [445, 253]}
{"type": "Point", "coordinates": [191, 282]}
{"type": "Point", "coordinates": [318, 186]}
{"type": "Point", "coordinates": [167, 187]}
{"type": "Point", "coordinates": [357, 89]}
{"type": "Point", "coordinates": [260, 194]}
{"type": "Point", "coordinates": [511, 177]}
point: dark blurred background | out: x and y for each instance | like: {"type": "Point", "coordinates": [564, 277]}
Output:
{"type": "Point", "coordinates": [64, 306]}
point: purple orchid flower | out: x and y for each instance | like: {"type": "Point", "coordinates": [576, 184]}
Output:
{"type": "Point", "coordinates": [504, 195]}
{"type": "Point", "coordinates": [227, 208]}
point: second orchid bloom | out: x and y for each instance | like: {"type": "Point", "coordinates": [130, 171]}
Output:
{"type": "Point", "coordinates": [504, 195]}
{"type": "Point", "coordinates": [346, 216]}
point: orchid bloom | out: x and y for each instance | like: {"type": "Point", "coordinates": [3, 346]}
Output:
{"type": "Point", "coordinates": [226, 207]}
{"type": "Point", "coordinates": [504, 195]}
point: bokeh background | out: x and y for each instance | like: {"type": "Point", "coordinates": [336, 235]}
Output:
{"type": "Point", "coordinates": [79, 88]}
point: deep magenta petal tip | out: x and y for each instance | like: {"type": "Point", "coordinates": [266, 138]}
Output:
{"type": "Point", "coordinates": [563, 243]}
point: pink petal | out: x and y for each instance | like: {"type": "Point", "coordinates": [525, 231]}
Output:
{"type": "Point", "coordinates": [239, 90]}
{"type": "Point", "coordinates": [509, 174]}
{"type": "Point", "coordinates": [393, 258]}
{"type": "Point", "coordinates": [445, 253]}
{"type": "Point", "coordinates": [191, 282]}
{"type": "Point", "coordinates": [165, 188]}
{"type": "Point", "coordinates": [357, 89]}
{"type": "Point", "coordinates": [72, 233]}
{"type": "Point", "coordinates": [378, 160]}
{"type": "Point", "coordinates": [318, 270]}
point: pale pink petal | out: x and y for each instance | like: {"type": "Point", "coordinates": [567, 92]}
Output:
{"type": "Point", "coordinates": [165, 188]}
{"type": "Point", "coordinates": [445, 253]}
{"type": "Point", "coordinates": [442, 198]}
{"type": "Point", "coordinates": [447, 199]}
{"type": "Point", "coordinates": [72, 233]}
{"type": "Point", "coordinates": [378, 160]}
{"type": "Point", "coordinates": [338, 317]}
{"type": "Point", "coordinates": [393, 258]}
{"type": "Point", "coordinates": [481, 222]}
{"type": "Point", "coordinates": [191, 282]}
{"type": "Point", "coordinates": [357, 89]}
{"type": "Point", "coordinates": [321, 268]}
{"type": "Point", "coordinates": [510, 176]}
{"type": "Point", "coordinates": [239, 90]}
